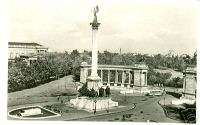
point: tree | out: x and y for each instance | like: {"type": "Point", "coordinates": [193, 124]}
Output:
{"type": "Point", "coordinates": [83, 91]}
{"type": "Point", "coordinates": [92, 93]}
{"type": "Point", "coordinates": [194, 59]}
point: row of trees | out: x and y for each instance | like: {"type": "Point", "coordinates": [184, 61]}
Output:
{"type": "Point", "coordinates": [177, 62]}
{"type": "Point", "coordinates": [55, 65]}
{"type": "Point", "coordinates": [50, 67]}
{"type": "Point", "coordinates": [163, 79]}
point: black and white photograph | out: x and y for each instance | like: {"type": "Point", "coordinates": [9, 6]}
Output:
{"type": "Point", "coordinates": [103, 61]}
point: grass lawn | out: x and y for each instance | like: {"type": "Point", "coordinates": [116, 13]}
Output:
{"type": "Point", "coordinates": [44, 93]}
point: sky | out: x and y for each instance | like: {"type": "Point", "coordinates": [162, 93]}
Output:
{"type": "Point", "coordinates": [150, 27]}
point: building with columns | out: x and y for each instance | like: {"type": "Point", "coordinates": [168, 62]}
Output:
{"type": "Point", "coordinates": [117, 75]}
{"type": "Point", "coordinates": [24, 49]}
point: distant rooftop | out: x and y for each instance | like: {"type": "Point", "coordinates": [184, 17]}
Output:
{"type": "Point", "coordinates": [23, 43]}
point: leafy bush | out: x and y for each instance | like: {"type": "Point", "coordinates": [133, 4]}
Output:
{"type": "Point", "coordinates": [177, 95]}
{"type": "Point", "coordinates": [84, 91]}
{"type": "Point", "coordinates": [175, 82]}
{"type": "Point", "coordinates": [156, 78]}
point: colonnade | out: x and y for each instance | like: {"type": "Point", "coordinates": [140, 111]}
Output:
{"type": "Point", "coordinates": [125, 76]}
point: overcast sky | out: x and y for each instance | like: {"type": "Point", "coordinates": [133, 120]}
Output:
{"type": "Point", "coordinates": [134, 26]}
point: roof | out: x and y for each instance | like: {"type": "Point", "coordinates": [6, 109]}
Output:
{"type": "Point", "coordinates": [23, 43]}
{"type": "Point", "coordinates": [136, 66]}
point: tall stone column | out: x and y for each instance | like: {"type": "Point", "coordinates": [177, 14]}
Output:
{"type": "Point", "coordinates": [146, 79]}
{"type": "Point", "coordinates": [109, 76]}
{"type": "Point", "coordinates": [123, 77]}
{"type": "Point", "coordinates": [140, 78]}
{"type": "Point", "coordinates": [101, 75]}
{"type": "Point", "coordinates": [94, 52]}
{"type": "Point", "coordinates": [129, 77]}
{"type": "Point", "coordinates": [116, 76]}
{"type": "Point", "coordinates": [94, 81]}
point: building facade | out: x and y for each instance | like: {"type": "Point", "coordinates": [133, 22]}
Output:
{"type": "Point", "coordinates": [18, 49]}
{"type": "Point", "coordinates": [115, 75]}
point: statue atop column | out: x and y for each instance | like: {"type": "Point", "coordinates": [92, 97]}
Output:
{"type": "Point", "coordinates": [96, 10]}
{"type": "Point", "coordinates": [95, 23]}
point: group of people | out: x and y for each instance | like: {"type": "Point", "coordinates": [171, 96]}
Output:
{"type": "Point", "coordinates": [105, 92]}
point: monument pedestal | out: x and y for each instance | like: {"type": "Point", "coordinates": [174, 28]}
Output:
{"type": "Point", "coordinates": [94, 82]}
{"type": "Point", "coordinates": [91, 104]}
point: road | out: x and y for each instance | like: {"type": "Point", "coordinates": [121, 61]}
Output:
{"type": "Point", "coordinates": [146, 109]}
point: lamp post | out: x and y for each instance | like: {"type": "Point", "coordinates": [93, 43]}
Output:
{"type": "Point", "coordinates": [164, 93]}
{"type": "Point", "coordinates": [95, 104]}
{"type": "Point", "coordinates": [108, 107]}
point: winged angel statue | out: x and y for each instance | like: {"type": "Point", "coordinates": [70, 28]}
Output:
{"type": "Point", "coordinates": [95, 11]}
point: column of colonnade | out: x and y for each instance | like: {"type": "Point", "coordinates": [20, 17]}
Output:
{"type": "Point", "coordinates": [108, 76]}
{"type": "Point", "coordinates": [116, 77]}
{"type": "Point", "coordinates": [116, 80]}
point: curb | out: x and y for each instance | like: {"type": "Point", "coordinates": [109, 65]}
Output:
{"type": "Point", "coordinates": [166, 112]}
{"type": "Point", "coordinates": [132, 107]}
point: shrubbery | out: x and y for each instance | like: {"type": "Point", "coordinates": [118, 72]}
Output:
{"type": "Point", "coordinates": [177, 95]}
{"type": "Point", "coordinates": [163, 79]}
{"type": "Point", "coordinates": [175, 82]}
{"type": "Point", "coordinates": [84, 91]}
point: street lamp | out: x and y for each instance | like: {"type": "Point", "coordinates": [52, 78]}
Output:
{"type": "Point", "coordinates": [164, 93]}
{"type": "Point", "coordinates": [108, 107]}
{"type": "Point", "coordinates": [125, 96]}
{"type": "Point", "coordinates": [95, 102]}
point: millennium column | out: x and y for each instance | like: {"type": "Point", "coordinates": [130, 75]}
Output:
{"type": "Point", "coordinates": [94, 81]}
